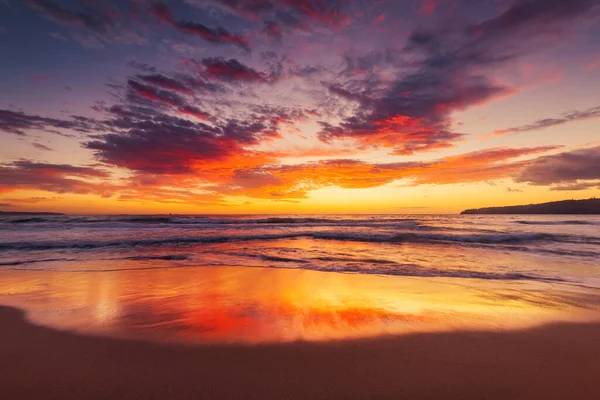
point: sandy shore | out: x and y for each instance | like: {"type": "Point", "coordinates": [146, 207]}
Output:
{"type": "Point", "coordinates": [552, 362]}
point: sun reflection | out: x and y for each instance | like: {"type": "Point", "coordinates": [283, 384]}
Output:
{"type": "Point", "coordinates": [234, 304]}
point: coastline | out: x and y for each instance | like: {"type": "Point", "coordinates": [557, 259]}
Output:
{"type": "Point", "coordinates": [549, 362]}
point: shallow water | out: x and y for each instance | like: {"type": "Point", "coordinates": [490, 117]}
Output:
{"type": "Point", "coordinates": [264, 278]}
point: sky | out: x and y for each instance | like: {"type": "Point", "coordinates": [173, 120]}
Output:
{"type": "Point", "coordinates": [297, 106]}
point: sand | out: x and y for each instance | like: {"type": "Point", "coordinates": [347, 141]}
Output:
{"type": "Point", "coordinates": [551, 362]}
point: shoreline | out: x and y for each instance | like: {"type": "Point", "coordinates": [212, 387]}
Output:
{"type": "Point", "coordinates": [548, 362]}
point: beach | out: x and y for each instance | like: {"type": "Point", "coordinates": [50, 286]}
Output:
{"type": "Point", "coordinates": [434, 307]}
{"type": "Point", "coordinates": [550, 362]}
{"type": "Point", "coordinates": [300, 199]}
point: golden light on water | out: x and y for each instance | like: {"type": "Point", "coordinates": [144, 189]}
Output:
{"type": "Point", "coordinates": [252, 305]}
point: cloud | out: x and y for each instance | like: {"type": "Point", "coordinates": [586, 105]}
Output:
{"type": "Point", "coordinates": [572, 116]}
{"type": "Point", "coordinates": [577, 186]}
{"type": "Point", "coordinates": [165, 144]}
{"type": "Point", "coordinates": [57, 178]}
{"type": "Point", "coordinates": [166, 83]}
{"type": "Point", "coordinates": [450, 69]}
{"type": "Point", "coordinates": [18, 123]}
{"type": "Point", "coordinates": [31, 200]}
{"type": "Point", "coordinates": [295, 181]}
{"type": "Point", "coordinates": [218, 35]}
{"type": "Point", "coordinates": [62, 178]}
{"type": "Point", "coordinates": [572, 169]}
{"type": "Point", "coordinates": [142, 66]}
{"type": "Point", "coordinates": [180, 83]}
{"type": "Point", "coordinates": [155, 94]}
{"type": "Point", "coordinates": [285, 15]}
{"type": "Point", "coordinates": [232, 70]}
{"type": "Point", "coordinates": [57, 169]}
{"type": "Point", "coordinates": [96, 22]}
{"type": "Point", "coordinates": [483, 165]}
{"type": "Point", "coordinates": [225, 125]}
{"type": "Point", "coordinates": [171, 96]}
{"type": "Point", "coordinates": [41, 146]}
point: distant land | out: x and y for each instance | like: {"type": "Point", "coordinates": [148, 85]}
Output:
{"type": "Point", "coordinates": [9, 213]}
{"type": "Point", "coordinates": [589, 206]}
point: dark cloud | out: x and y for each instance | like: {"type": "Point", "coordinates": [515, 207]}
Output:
{"type": "Point", "coordinates": [154, 94]}
{"type": "Point", "coordinates": [232, 70]}
{"type": "Point", "coordinates": [217, 35]}
{"type": "Point", "coordinates": [142, 66]}
{"type": "Point", "coordinates": [95, 24]}
{"type": "Point", "coordinates": [41, 146]}
{"type": "Point", "coordinates": [572, 116]}
{"type": "Point", "coordinates": [57, 169]}
{"type": "Point", "coordinates": [280, 15]}
{"type": "Point", "coordinates": [99, 22]}
{"type": "Point", "coordinates": [57, 178]}
{"type": "Point", "coordinates": [565, 169]}
{"type": "Point", "coordinates": [60, 178]}
{"type": "Point", "coordinates": [449, 71]}
{"type": "Point", "coordinates": [166, 82]}
{"type": "Point", "coordinates": [577, 186]}
{"type": "Point", "coordinates": [273, 30]}
{"type": "Point", "coordinates": [537, 17]}
{"type": "Point", "coordinates": [18, 123]}
{"type": "Point", "coordinates": [165, 144]}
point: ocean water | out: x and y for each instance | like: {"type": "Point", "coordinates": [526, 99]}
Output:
{"type": "Point", "coordinates": [297, 276]}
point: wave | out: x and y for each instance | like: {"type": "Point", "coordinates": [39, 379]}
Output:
{"type": "Point", "coordinates": [573, 222]}
{"type": "Point", "coordinates": [168, 257]}
{"type": "Point", "coordinates": [184, 220]}
{"type": "Point", "coordinates": [433, 237]}
{"type": "Point", "coordinates": [427, 272]}
{"type": "Point", "coordinates": [406, 270]}
{"type": "Point", "coordinates": [339, 236]}
{"type": "Point", "coordinates": [28, 220]}
{"type": "Point", "coordinates": [23, 262]}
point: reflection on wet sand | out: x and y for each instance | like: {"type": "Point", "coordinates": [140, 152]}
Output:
{"type": "Point", "coordinates": [237, 304]}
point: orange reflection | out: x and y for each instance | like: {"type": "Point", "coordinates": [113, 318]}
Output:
{"type": "Point", "coordinates": [237, 304]}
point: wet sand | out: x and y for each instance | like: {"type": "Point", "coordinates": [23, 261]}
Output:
{"type": "Point", "coordinates": [551, 362]}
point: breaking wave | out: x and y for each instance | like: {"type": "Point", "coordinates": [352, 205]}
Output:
{"type": "Point", "coordinates": [341, 236]}
{"type": "Point", "coordinates": [573, 222]}
{"type": "Point", "coordinates": [183, 220]}
{"type": "Point", "coordinates": [406, 270]}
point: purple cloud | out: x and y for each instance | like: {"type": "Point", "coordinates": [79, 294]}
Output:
{"type": "Point", "coordinates": [567, 170]}
{"type": "Point", "coordinates": [572, 116]}
{"type": "Point", "coordinates": [217, 35]}
{"type": "Point", "coordinates": [98, 22]}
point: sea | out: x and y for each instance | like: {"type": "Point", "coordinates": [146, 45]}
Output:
{"type": "Point", "coordinates": [262, 278]}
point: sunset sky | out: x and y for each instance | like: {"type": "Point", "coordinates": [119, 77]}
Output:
{"type": "Point", "coordinates": [297, 106]}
